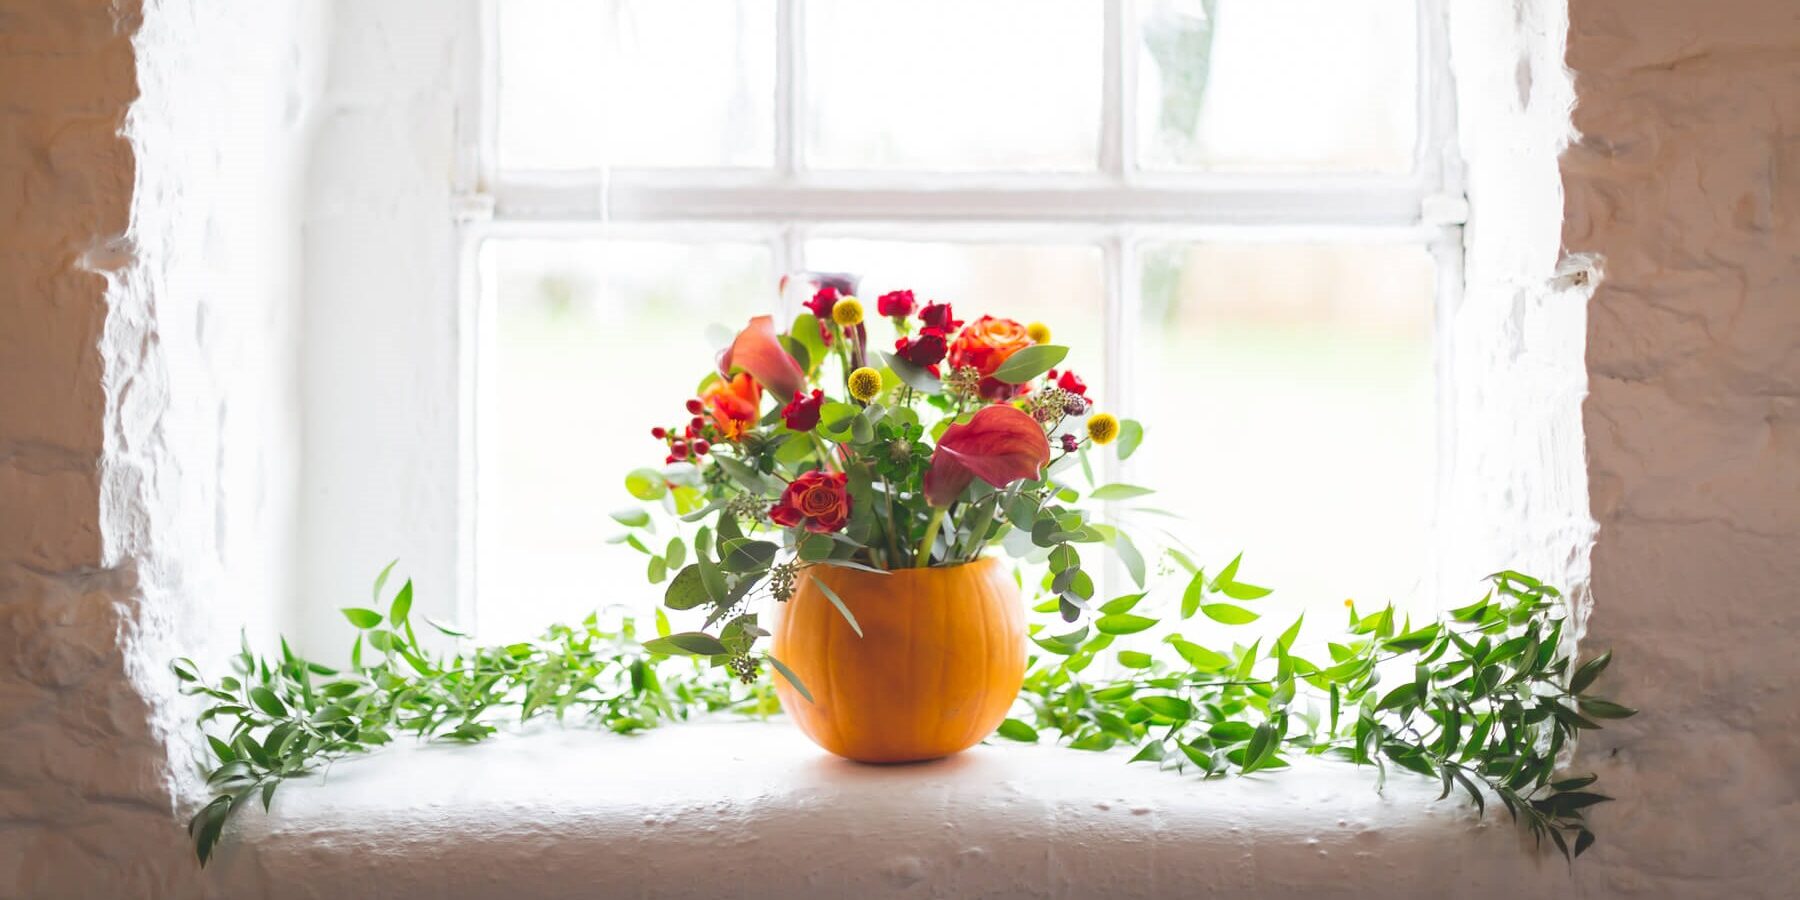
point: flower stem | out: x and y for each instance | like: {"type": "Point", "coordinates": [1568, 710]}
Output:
{"type": "Point", "coordinates": [931, 529]}
{"type": "Point", "coordinates": [824, 454]}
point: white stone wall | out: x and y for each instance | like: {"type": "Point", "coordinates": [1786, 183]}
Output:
{"type": "Point", "coordinates": [201, 201]}
{"type": "Point", "coordinates": [1686, 181]}
{"type": "Point", "coordinates": [151, 169]}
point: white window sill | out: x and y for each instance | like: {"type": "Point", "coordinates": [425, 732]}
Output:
{"type": "Point", "coordinates": [745, 809]}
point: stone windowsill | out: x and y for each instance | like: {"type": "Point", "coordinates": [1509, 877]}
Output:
{"type": "Point", "coordinates": [748, 809]}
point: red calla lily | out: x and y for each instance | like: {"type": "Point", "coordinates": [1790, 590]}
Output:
{"type": "Point", "coordinates": [1000, 445]}
{"type": "Point", "coordinates": [757, 351]}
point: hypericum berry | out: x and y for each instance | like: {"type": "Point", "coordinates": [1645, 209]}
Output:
{"type": "Point", "coordinates": [659, 433]}
{"type": "Point", "coordinates": [695, 407]}
{"type": "Point", "coordinates": [700, 447]}
{"type": "Point", "coordinates": [680, 449]}
{"type": "Point", "coordinates": [697, 423]}
{"type": "Point", "coordinates": [1070, 444]}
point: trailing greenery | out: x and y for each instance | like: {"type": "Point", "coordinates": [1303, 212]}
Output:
{"type": "Point", "coordinates": [1484, 700]}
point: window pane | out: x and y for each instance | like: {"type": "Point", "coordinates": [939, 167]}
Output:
{"type": "Point", "coordinates": [1061, 285]}
{"type": "Point", "coordinates": [595, 344]}
{"type": "Point", "coordinates": [590, 83]}
{"type": "Point", "coordinates": [1288, 396]}
{"type": "Point", "coordinates": [1277, 85]}
{"type": "Point", "coordinates": [948, 85]}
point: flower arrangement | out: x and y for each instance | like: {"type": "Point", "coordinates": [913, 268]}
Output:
{"type": "Point", "coordinates": [818, 445]}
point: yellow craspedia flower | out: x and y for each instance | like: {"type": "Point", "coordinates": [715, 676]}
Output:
{"type": "Point", "coordinates": [1038, 332]}
{"type": "Point", "coordinates": [848, 312]}
{"type": "Point", "coordinates": [865, 383]}
{"type": "Point", "coordinates": [1103, 428]}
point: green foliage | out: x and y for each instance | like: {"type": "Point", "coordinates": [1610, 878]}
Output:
{"type": "Point", "coordinates": [1487, 703]}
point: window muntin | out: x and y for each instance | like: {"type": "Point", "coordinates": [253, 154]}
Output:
{"type": "Point", "coordinates": [1229, 236]}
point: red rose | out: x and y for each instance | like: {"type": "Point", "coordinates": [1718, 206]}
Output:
{"type": "Point", "coordinates": [985, 344]}
{"type": "Point", "coordinates": [896, 303]}
{"type": "Point", "coordinates": [1072, 383]}
{"type": "Point", "coordinates": [938, 315]}
{"type": "Point", "coordinates": [822, 302]}
{"type": "Point", "coordinates": [803, 413]}
{"type": "Point", "coordinates": [927, 349]}
{"type": "Point", "coordinates": [816, 500]}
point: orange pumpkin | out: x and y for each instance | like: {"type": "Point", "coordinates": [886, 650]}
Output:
{"type": "Point", "coordinates": [939, 662]}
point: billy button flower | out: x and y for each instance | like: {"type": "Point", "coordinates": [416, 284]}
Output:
{"type": "Point", "coordinates": [1103, 428]}
{"type": "Point", "coordinates": [848, 312]}
{"type": "Point", "coordinates": [865, 384]}
{"type": "Point", "coordinates": [1038, 332]}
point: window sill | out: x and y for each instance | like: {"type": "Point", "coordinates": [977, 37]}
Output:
{"type": "Point", "coordinates": [753, 809]}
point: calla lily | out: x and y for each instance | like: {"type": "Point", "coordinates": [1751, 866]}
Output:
{"type": "Point", "coordinates": [1000, 445]}
{"type": "Point", "coordinates": [757, 351]}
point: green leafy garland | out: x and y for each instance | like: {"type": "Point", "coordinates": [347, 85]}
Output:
{"type": "Point", "coordinates": [1490, 703]}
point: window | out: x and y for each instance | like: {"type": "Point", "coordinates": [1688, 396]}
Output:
{"type": "Point", "coordinates": [1242, 214]}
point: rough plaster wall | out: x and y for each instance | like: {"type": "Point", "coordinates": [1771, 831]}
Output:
{"type": "Point", "coordinates": [1686, 179]}
{"type": "Point", "coordinates": [382, 397]}
{"type": "Point", "coordinates": [148, 434]}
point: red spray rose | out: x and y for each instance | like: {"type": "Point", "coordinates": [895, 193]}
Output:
{"type": "Point", "coordinates": [822, 303]}
{"type": "Point", "coordinates": [938, 315]}
{"type": "Point", "coordinates": [803, 413]}
{"type": "Point", "coordinates": [816, 500]}
{"type": "Point", "coordinates": [927, 349]}
{"type": "Point", "coordinates": [1072, 383]}
{"type": "Point", "coordinates": [896, 303]}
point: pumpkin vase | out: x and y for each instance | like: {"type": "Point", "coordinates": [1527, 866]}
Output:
{"type": "Point", "coordinates": [939, 662]}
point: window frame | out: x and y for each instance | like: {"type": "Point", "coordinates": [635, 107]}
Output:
{"type": "Point", "coordinates": [788, 204]}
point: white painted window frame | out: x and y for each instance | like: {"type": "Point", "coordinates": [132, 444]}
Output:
{"type": "Point", "coordinates": [788, 204]}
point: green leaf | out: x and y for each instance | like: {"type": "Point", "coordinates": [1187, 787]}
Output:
{"type": "Point", "coordinates": [1133, 659]}
{"type": "Point", "coordinates": [1029, 363]}
{"type": "Point", "coordinates": [266, 701]}
{"type": "Point", "coordinates": [1122, 623]}
{"type": "Point", "coordinates": [792, 679]}
{"type": "Point", "coordinates": [1231, 732]}
{"type": "Point", "coordinates": [362, 618]}
{"type": "Point", "coordinates": [1120, 604]}
{"type": "Point", "coordinates": [1168, 707]}
{"type": "Point", "coordinates": [1130, 557]}
{"type": "Point", "coordinates": [687, 643]}
{"type": "Point", "coordinates": [402, 604]}
{"type": "Point", "coordinates": [1589, 671]}
{"type": "Point", "coordinates": [1196, 591]}
{"type": "Point", "coordinates": [676, 553]}
{"type": "Point", "coordinates": [1131, 434]}
{"type": "Point", "coordinates": [646, 484]}
{"type": "Point", "coordinates": [381, 580]}
{"type": "Point", "coordinates": [631, 517]}
{"type": "Point", "coordinates": [1119, 491]}
{"type": "Point", "coordinates": [1015, 730]}
{"type": "Point", "coordinates": [686, 591]}
{"type": "Point", "coordinates": [915, 376]}
{"type": "Point", "coordinates": [839, 603]}
{"type": "Point", "coordinates": [745, 555]}
{"type": "Point", "coordinates": [1199, 657]}
{"type": "Point", "coordinates": [1604, 709]}
{"type": "Point", "coordinates": [1228, 614]}
{"type": "Point", "coordinates": [1238, 590]}
{"type": "Point", "coordinates": [711, 578]}
{"type": "Point", "coordinates": [1260, 749]}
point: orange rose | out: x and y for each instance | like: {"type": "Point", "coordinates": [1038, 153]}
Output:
{"type": "Point", "coordinates": [735, 404]}
{"type": "Point", "coordinates": [986, 343]}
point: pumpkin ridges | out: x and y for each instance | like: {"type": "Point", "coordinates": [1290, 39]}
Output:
{"type": "Point", "coordinates": [933, 673]}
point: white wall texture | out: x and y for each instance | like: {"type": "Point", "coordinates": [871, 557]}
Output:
{"type": "Point", "coordinates": [217, 218]}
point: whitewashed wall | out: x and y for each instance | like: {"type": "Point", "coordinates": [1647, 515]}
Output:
{"type": "Point", "coordinates": [151, 173]}
{"type": "Point", "coordinates": [214, 218]}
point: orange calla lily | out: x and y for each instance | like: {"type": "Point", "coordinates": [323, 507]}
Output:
{"type": "Point", "coordinates": [757, 351]}
{"type": "Point", "coordinates": [1000, 445]}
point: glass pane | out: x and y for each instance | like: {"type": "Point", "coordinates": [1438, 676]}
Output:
{"type": "Point", "coordinates": [594, 345]}
{"type": "Point", "coordinates": [590, 83]}
{"type": "Point", "coordinates": [1060, 285]}
{"type": "Point", "coordinates": [948, 85]}
{"type": "Point", "coordinates": [1288, 396]}
{"type": "Point", "coordinates": [1277, 85]}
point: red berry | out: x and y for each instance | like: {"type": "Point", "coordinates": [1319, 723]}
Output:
{"type": "Point", "coordinates": [680, 449]}
{"type": "Point", "coordinates": [668, 459]}
{"type": "Point", "coordinates": [695, 407]}
{"type": "Point", "coordinates": [697, 424]}
{"type": "Point", "coordinates": [700, 448]}
{"type": "Point", "coordinates": [659, 433]}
